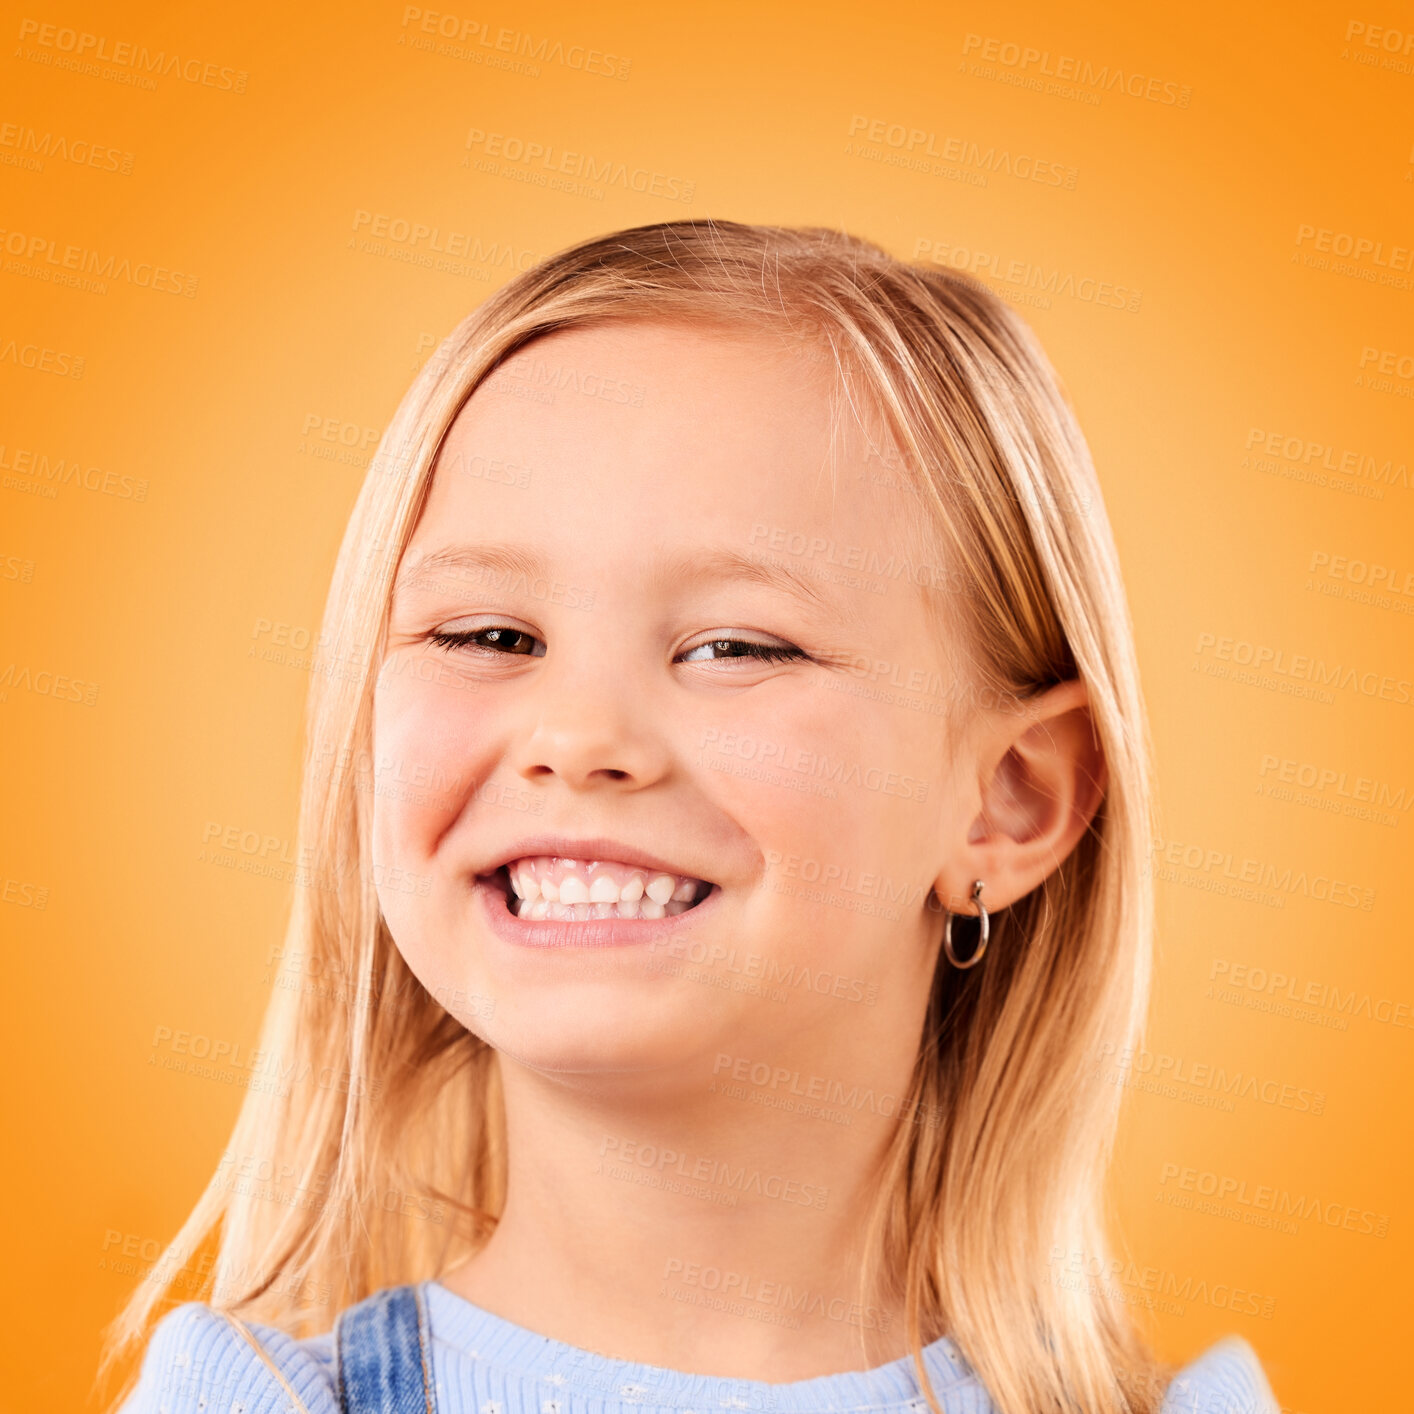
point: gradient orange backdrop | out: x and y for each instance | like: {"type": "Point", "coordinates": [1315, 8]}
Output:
{"type": "Point", "coordinates": [1206, 214]}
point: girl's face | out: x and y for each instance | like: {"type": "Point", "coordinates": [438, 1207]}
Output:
{"type": "Point", "coordinates": [618, 518]}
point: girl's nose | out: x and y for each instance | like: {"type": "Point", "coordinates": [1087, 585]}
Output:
{"type": "Point", "coordinates": [588, 726]}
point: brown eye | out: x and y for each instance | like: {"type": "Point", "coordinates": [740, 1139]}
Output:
{"type": "Point", "coordinates": [764, 652]}
{"type": "Point", "coordinates": [511, 641]}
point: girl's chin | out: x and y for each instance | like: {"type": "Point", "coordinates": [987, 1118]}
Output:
{"type": "Point", "coordinates": [621, 1051]}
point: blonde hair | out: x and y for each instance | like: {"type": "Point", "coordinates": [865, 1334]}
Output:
{"type": "Point", "coordinates": [997, 1168]}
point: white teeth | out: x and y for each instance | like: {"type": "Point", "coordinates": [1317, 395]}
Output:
{"type": "Point", "coordinates": [573, 890]}
{"type": "Point", "coordinates": [535, 910]}
{"type": "Point", "coordinates": [536, 892]}
{"type": "Point", "coordinates": [525, 883]}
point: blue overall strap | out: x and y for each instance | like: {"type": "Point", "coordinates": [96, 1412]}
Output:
{"type": "Point", "coordinates": [384, 1354]}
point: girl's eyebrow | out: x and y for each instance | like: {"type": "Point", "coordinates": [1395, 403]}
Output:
{"type": "Point", "coordinates": [501, 558]}
{"type": "Point", "coordinates": [723, 563]}
{"type": "Point", "coordinates": [675, 567]}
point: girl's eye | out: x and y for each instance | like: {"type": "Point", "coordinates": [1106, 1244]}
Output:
{"type": "Point", "coordinates": [513, 641]}
{"type": "Point", "coordinates": [765, 652]}
{"type": "Point", "coordinates": [499, 640]}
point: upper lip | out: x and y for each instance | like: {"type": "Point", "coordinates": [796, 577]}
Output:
{"type": "Point", "coordinates": [559, 846]}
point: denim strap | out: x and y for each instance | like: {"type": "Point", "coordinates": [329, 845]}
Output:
{"type": "Point", "coordinates": [384, 1354]}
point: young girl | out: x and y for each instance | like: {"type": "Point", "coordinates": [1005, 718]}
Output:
{"type": "Point", "coordinates": [726, 806]}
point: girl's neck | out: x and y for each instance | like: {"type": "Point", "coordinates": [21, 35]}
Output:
{"type": "Point", "coordinates": [721, 1238]}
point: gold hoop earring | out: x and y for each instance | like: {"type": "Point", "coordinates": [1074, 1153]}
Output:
{"type": "Point", "coordinates": [982, 939]}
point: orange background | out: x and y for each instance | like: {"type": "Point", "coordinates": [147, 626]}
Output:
{"type": "Point", "coordinates": [166, 589]}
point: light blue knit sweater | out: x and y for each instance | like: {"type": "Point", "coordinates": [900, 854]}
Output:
{"type": "Point", "coordinates": [197, 1363]}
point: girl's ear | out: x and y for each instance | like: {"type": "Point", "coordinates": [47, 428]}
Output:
{"type": "Point", "coordinates": [1042, 777]}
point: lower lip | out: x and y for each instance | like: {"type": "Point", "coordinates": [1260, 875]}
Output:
{"type": "Point", "coordinates": [583, 933]}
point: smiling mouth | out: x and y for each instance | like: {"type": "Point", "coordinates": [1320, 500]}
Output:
{"type": "Point", "coordinates": [575, 890]}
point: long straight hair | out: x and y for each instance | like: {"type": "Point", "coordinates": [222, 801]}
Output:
{"type": "Point", "coordinates": [995, 1173]}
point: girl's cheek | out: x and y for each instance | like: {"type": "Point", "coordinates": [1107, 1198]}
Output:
{"type": "Point", "coordinates": [436, 743]}
{"type": "Point", "coordinates": [426, 739]}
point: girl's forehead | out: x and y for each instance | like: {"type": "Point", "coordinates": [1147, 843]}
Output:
{"type": "Point", "coordinates": [633, 368]}
{"type": "Point", "coordinates": [657, 344]}
{"type": "Point", "coordinates": [595, 438]}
